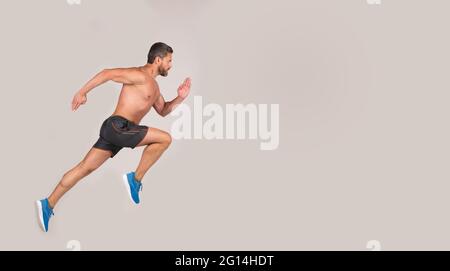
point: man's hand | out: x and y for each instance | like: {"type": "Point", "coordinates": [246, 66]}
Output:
{"type": "Point", "coordinates": [184, 88]}
{"type": "Point", "coordinates": [79, 99]}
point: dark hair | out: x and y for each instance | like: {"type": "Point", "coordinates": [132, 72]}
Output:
{"type": "Point", "coordinates": [158, 49]}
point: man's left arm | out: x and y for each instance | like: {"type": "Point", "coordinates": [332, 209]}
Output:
{"type": "Point", "coordinates": [164, 108]}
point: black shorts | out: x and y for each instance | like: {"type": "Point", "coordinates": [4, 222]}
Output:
{"type": "Point", "coordinates": [118, 132]}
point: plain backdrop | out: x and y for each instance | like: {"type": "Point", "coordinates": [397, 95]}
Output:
{"type": "Point", "coordinates": [363, 153]}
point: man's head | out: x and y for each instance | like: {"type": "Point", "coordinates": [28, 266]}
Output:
{"type": "Point", "coordinates": [160, 55]}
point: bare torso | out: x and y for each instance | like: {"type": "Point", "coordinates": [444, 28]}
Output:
{"type": "Point", "coordinates": [135, 101]}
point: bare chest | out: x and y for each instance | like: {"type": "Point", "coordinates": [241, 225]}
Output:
{"type": "Point", "coordinates": [145, 95]}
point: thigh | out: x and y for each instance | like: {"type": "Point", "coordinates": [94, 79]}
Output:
{"type": "Point", "coordinates": [95, 158]}
{"type": "Point", "coordinates": [103, 144]}
{"type": "Point", "coordinates": [154, 135]}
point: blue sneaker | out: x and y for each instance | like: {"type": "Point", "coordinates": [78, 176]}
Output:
{"type": "Point", "coordinates": [44, 213]}
{"type": "Point", "coordinates": [133, 186]}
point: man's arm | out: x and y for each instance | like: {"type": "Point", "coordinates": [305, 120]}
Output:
{"type": "Point", "coordinates": [164, 108]}
{"type": "Point", "coordinates": [120, 75]}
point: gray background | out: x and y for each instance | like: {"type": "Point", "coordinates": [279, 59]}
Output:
{"type": "Point", "coordinates": [363, 151]}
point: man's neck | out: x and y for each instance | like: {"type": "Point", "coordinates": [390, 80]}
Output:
{"type": "Point", "coordinates": [150, 70]}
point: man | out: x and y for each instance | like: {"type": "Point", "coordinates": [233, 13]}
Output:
{"type": "Point", "coordinates": [140, 92]}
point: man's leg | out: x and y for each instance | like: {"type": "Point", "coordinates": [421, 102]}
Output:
{"type": "Point", "coordinates": [156, 142]}
{"type": "Point", "coordinates": [93, 159]}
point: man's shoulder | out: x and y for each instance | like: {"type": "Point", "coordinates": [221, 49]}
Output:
{"type": "Point", "coordinates": [138, 72]}
{"type": "Point", "coordinates": [147, 79]}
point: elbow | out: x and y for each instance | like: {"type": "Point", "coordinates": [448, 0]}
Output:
{"type": "Point", "coordinates": [165, 110]}
{"type": "Point", "coordinates": [106, 75]}
{"type": "Point", "coordinates": [111, 75]}
{"type": "Point", "coordinates": [162, 113]}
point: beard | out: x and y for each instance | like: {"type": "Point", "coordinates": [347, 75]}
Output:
{"type": "Point", "coordinates": [163, 72]}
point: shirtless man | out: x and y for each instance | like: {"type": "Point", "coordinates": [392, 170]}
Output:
{"type": "Point", "coordinates": [139, 93]}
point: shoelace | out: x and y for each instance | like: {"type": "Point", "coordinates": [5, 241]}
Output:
{"type": "Point", "coordinates": [50, 211]}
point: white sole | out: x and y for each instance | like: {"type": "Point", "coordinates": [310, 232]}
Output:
{"type": "Point", "coordinates": [127, 187]}
{"type": "Point", "coordinates": [40, 214]}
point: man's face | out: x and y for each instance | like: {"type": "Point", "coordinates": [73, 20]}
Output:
{"type": "Point", "coordinates": [165, 65]}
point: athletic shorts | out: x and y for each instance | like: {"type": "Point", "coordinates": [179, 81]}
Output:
{"type": "Point", "coordinates": [117, 132]}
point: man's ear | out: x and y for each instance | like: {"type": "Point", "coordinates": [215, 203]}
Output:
{"type": "Point", "coordinates": [158, 60]}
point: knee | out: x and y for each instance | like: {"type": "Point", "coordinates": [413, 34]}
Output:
{"type": "Point", "coordinates": [167, 140]}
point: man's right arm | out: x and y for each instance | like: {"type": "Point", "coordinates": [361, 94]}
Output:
{"type": "Point", "coordinates": [120, 75]}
